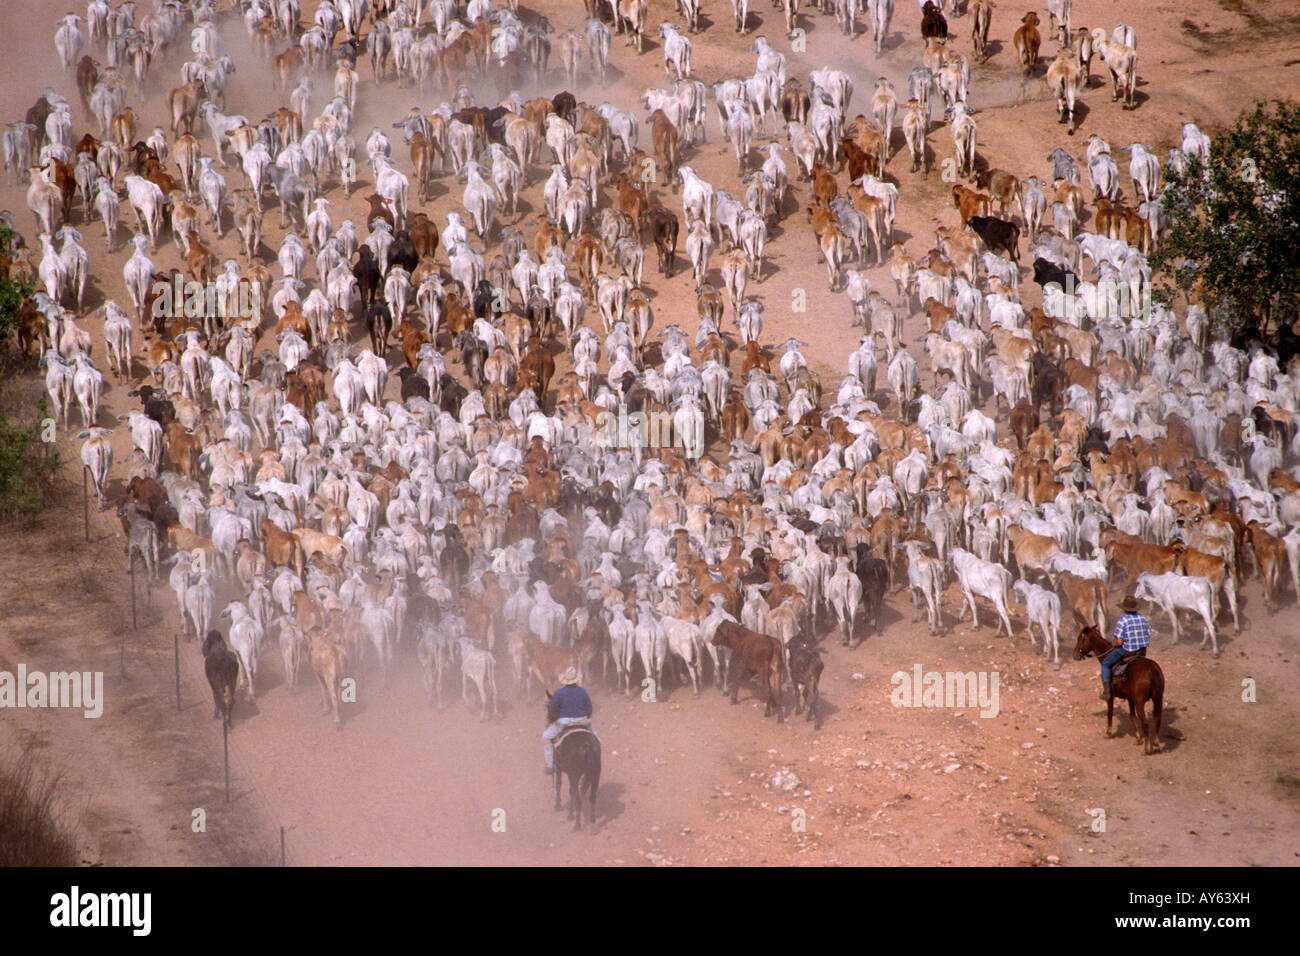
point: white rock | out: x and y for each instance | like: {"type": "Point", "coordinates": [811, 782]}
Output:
{"type": "Point", "coordinates": [784, 780]}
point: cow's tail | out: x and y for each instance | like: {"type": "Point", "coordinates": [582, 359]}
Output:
{"type": "Point", "coordinates": [779, 670]}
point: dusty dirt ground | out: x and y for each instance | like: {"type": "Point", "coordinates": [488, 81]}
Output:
{"type": "Point", "coordinates": [685, 780]}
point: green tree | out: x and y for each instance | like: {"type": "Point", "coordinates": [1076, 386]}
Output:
{"type": "Point", "coordinates": [1234, 233]}
{"type": "Point", "coordinates": [11, 297]}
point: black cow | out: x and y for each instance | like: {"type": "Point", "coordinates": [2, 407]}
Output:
{"type": "Point", "coordinates": [1270, 427]}
{"type": "Point", "coordinates": [997, 234]}
{"type": "Point", "coordinates": [873, 574]}
{"type": "Point", "coordinates": [664, 227]}
{"type": "Point", "coordinates": [402, 252]}
{"type": "Point", "coordinates": [1050, 384]}
{"type": "Point", "coordinates": [454, 559]}
{"type": "Point", "coordinates": [451, 394]}
{"type": "Point", "coordinates": [1047, 273]}
{"type": "Point", "coordinates": [1287, 344]}
{"type": "Point", "coordinates": [222, 669]}
{"type": "Point", "coordinates": [565, 105]}
{"type": "Point", "coordinates": [484, 295]}
{"type": "Point", "coordinates": [413, 383]}
{"type": "Point", "coordinates": [367, 274]}
{"type": "Point", "coordinates": [758, 573]}
{"type": "Point", "coordinates": [496, 131]}
{"type": "Point", "coordinates": [155, 406]}
{"type": "Point", "coordinates": [347, 51]}
{"type": "Point", "coordinates": [933, 23]}
{"type": "Point", "coordinates": [1099, 440]}
{"type": "Point", "coordinates": [805, 674]}
{"type": "Point", "coordinates": [379, 323]}
{"type": "Point", "coordinates": [605, 500]}
{"type": "Point", "coordinates": [37, 115]}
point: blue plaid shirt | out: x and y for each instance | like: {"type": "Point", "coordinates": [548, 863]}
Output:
{"type": "Point", "coordinates": [1134, 630]}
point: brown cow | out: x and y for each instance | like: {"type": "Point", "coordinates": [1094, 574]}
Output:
{"type": "Point", "coordinates": [201, 260]}
{"type": "Point", "coordinates": [632, 200]}
{"type": "Point", "coordinates": [379, 210]}
{"type": "Point", "coordinates": [1215, 569]}
{"type": "Point", "coordinates": [1134, 556]}
{"type": "Point", "coordinates": [1086, 599]}
{"type": "Point", "coordinates": [282, 547]}
{"type": "Point", "coordinates": [183, 539]}
{"type": "Point", "coordinates": [1026, 42]}
{"type": "Point", "coordinates": [824, 186]}
{"type": "Point", "coordinates": [753, 653]}
{"type": "Point", "coordinates": [546, 662]}
{"type": "Point", "coordinates": [329, 659]}
{"type": "Point", "coordinates": [859, 161]}
{"type": "Point", "coordinates": [1023, 421]}
{"type": "Point", "coordinates": [1003, 186]}
{"type": "Point", "coordinates": [1032, 551]}
{"type": "Point", "coordinates": [708, 304]}
{"type": "Point", "coordinates": [424, 235]}
{"type": "Point", "coordinates": [283, 66]}
{"type": "Point", "coordinates": [66, 182]}
{"type": "Point", "coordinates": [1270, 556]}
{"type": "Point", "coordinates": [422, 155]}
{"type": "Point", "coordinates": [183, 449]}
{"type": "Point", "coordinates": [971, 202]}
{"type": "Point", "coordinates": [547, 235]}
{"type": "Point", "coordinates": [664, 135]}
{"type": "Point", "coordinates": [412, 337]}
{"type": "Point", "coordinates": [87, 77]}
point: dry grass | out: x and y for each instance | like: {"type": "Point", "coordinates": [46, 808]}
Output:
{"type": "Point", "coordinates": [31, 833]}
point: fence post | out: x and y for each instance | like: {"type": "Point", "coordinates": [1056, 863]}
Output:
{"type": "Point", "coordinates": [225, 749]}
{"type": "Point", "coordinates": [133, 624]}
{"type": "Point", "coordinates": [176, 647]}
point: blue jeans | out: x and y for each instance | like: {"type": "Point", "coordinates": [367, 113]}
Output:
{"type": "Point", "coordinates": [553, 731]}
{"type": "Point", "coordinates": [1110, 660]}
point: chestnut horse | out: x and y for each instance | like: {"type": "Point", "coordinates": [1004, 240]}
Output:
{"type": "Point", "coordinates": [1143, 681]}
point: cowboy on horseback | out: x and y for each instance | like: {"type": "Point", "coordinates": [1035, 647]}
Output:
{"type": "Point", "coordinates": [570, 706]}
{"type": "Point", "coordinates": [1132, 635]}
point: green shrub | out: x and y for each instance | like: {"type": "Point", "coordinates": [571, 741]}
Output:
{"type": "Point", "coordinates": [12, 295]}
{"type": "Point", "coordinates": [28, 466]}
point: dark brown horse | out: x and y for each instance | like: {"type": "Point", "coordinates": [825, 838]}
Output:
{"type": "Point", "coordinates": [1143, 681]}
{"type": "Point", "coordinates": [577, 754]}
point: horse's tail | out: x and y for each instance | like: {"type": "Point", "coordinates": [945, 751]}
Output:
{"type": "Point", "coordinates": [592, 781]}
{"type": "Point", "coordinates": [1157, 681]}
{"type": "Point", "coordinates": [1157, 696]}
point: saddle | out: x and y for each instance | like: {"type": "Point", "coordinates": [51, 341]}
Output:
{"type": "Point", "coordinates": [1118, 670]}
{"type": "Point", "coordinates": [574, 729]}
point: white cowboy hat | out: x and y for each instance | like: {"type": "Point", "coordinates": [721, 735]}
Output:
{"type": "Point", "coordinates": [570, 676]}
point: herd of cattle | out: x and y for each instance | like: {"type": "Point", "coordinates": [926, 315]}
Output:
{"type": "Point", "coordinates": [478, 515]}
